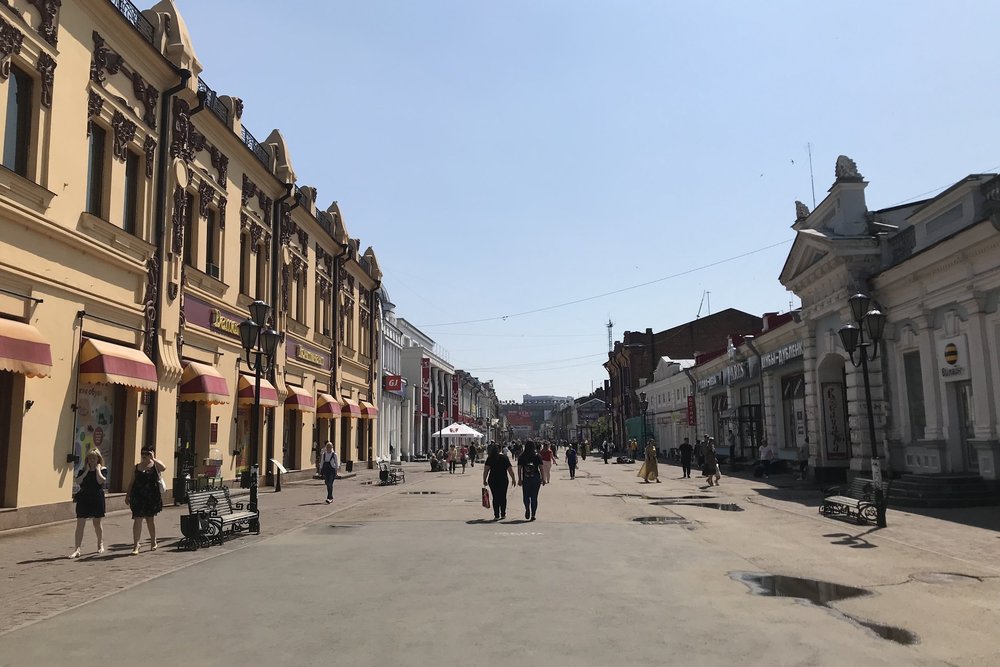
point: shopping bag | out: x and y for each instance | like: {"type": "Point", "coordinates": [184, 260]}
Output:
{"type": "Point", "coordinates": [486, 498]}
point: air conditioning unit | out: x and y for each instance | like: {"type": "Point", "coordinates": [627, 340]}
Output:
{"type": "Point", "coordinates": [212, 270]}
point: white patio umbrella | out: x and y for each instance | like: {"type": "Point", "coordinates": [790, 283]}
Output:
{"type": "Point", "coordinates": [457, 431]}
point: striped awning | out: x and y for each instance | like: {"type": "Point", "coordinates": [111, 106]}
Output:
{"type": "Point", "coordinates": [368, 411]}
{"type": "Point", "coordinates": [351, 409]}
{"type": "Point", "coordinates": [102, 362]}
{"type": "Point", "coordinates": [268, 394]}
{"type": "Point", "coordinates": [328, 407]}
{"type": "Point", "coordinates": [23, 350]}
{"type": "Point", "coordinates": [300, 399]}
{"type": "Point", "coordinates": [203, 384]}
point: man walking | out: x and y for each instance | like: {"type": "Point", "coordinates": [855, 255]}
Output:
{"type": "Point", "coordinates": [571, 461]}
{"type": "Point", "coordinates": [686, 451]}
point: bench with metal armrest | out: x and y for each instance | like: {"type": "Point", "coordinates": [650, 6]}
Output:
{"type": "Point", "coordinates": [856, 500]}
{"type": "Point", "coordinates": [212, 516]}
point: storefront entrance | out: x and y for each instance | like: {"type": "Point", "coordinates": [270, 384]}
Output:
{"type": "Point", "coordinates": [7, 476]}
{"type": "Point", "coordinates": [187, 428]}
{"type": "Point", "coordinates": [98, 426]}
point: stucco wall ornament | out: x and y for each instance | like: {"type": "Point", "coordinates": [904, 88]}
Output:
{"type": "Point", "coordinates": [221, 164]}
{"type": "Point", "coordinates": [222, 212]}
{"type": "Point", "coordinates": [801, 211]}
{"type": "Point", "coordinates": [149, 147]}
{"type": "Point", "coordinates": [187, 141]}
{"type": "Point", "coordinates": [148, 96]}
{"type": "Point", "coordinates": [11, 40]}
{"type": "Point", "coordinates": [48, 27]}
{"type": "Point", "coordinates": [256, 234]}
{"type": "Point", "coordinates": [206, 195]}
{"type": "Point", "coordinates": [284, 288]}
{"type": "Point", "coordinates": [846, 169]}
{"type": "Point", "coordinates": [94, 105]}
{"type": "Point", "coordinates": [124, 131]}
{"type": "Point", "coordinates": [177, 220]}
{"type": "Point", "coordinates": [287, 226]}
{"type": "Point", "coordinates": [238, 107]}
{"type": "Point", "coordinates": [149, 301]}
{"type": "Point", "coordinates": [303, 238]}
{"type": "Point", "coordinates": [172, 289]}
{"type": "Point", "coordinates": [103, 60]}
{"type": "Point", "coordinates": [250, 190]}
{"type": "Point", "coordinates": [46, 67]}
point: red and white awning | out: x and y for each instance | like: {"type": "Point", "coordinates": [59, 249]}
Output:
{"type": "Point", "coordinates": [24, 350]}
{"type": "Point", "coordinates": [204, 384]}
{"type": "Point", "coordinates": [299, 399]}
{"type": "Point", "coordinates": [102, 362]}
{"type": "Point", "coordinates": [268, 394]}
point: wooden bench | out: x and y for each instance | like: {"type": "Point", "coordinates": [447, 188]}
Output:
{"type": "Point", "coordinates": [857, 501]}
{"type": "Point", "coordinates": [212, 516]}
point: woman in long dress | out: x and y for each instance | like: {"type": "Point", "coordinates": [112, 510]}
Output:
{"type": "Point", "coordinates": [649, 470]}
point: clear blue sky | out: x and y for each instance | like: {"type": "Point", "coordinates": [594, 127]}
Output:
{"type": "Point", "coordinates": [506, 156]}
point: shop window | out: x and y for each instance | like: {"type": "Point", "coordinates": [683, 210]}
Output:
{"type": "Point", "coordinates": [915, 394]}
{"type": "Point", "coordinates": [131, 214]}
{"type": "Point", "coordinates": [213, 244]}
{"type": "Point", "coordinates": [301, 297]}
{"type": "Point", "coordinates": [244, 263]}
{"type": "Point", "coordinates": [18, 129]}
{"type": "Point", "coordinates": [96, 170]}
{"type": "Point", "coordinates": [793, 410]}
{"type": "Point", "coordinates": [99, 425]}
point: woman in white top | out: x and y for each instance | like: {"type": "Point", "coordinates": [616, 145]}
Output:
{"type": "Point", "coordinates": [328, 466]}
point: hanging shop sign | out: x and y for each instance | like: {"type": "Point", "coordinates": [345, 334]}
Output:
{"type": "Point", "coordinates": [425, 385]}
{"type": "Point", "coordinates": [782, 355]}
{"type": "Point", "coordinates": [692, 416]}
{"type": "Point", "coordinates": [953, 359]}
{"type": "Point", "coordinates": [393, 383]}
{"type": "Point", "coordinates": [454, 398]}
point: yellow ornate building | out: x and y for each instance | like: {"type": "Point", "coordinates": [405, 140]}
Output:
{"type": "Point", "coordinates": [138, 220]}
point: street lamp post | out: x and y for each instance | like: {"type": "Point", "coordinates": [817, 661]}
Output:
{"type": "Point", "coordinates": [871, 321]}
{"type": "Point", "coordinates": [259, 344]}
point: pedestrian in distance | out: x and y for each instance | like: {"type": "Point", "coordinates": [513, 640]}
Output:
{"type": "Point", "coordinates": [496, 469]}
{"type": "Point", "coordinates": [606, 452]}
{"type": "Point", "coordinates": [89, 499]}
{"type": "Point", "coordinates": [699, 450]}
{"type": "Point", "coordinates": [766, 457]}
{"type": "Point", "coordinates": [473, 453]}
{"type": "Point", "coordinates": [145, 498]}
{"type": "Point", "coordinates": [650, 470]}
{"type": "Point", "coordinates": [712, 464]}
{"type": "Point", "coordinates": [329, 466]}
{"type": "Point", "coordinates": [548, 458]}
{"type": "Point", "coordinates": [529, 478]}
{"type": "Point", "coordinates": [802, 455]}
{"type": "Point", "coordinates": [686, 450]}
{"type": "Point", "coordinates": [452, 459]}
{"type": "Point", "coordinates": [571, 461]}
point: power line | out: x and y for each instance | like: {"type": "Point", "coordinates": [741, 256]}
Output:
{"type": "Point", "coordinates": [617, 291]}
{"type": "Point", "coordinates": [456, 333]}
{"type": "Point", "coordinates": [534, 363]}
{"type": "Point", "coordinates": [938, 189]}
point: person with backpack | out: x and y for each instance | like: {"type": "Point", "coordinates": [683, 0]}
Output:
{"type": "Point", "coordinates": [571, 461]}
{"type": "Point", "coordinates": [529, 478]}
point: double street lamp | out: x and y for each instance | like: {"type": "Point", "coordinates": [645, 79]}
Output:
{"type": "Point", "coordinates": [870, 321]}
{"type": "Point", "coordinates": [260, 342]}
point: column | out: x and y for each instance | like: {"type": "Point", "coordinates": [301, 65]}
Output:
{"type": "Point", "coordinates": [933, 401]}
{"type": "Point", "coordinates": [979, 367]}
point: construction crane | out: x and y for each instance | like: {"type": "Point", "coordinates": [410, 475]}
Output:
{"type": "Point", "coordinates": [705, 296]}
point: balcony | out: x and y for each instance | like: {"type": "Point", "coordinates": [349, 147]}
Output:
{"type": "Point", "coordinates": [251, 142]}
{"type": "Point", "coordinates": [132, 14]}
{"type": "Point", "coordinates": [210, 100]}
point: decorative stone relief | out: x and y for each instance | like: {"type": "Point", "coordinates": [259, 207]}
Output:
{"type": "Point", "coordinates": [238, 107]}
{"type": "Point", "coordinates": [149, 147]}
{"type": "Point", "coordinates": [47, 73]}
{"type": "Point", "coordinates": [287, 226]}
{"type": "Point", "coordinates": [284, 287]}
{"type": "Point", "coordinates": [249, 190]}
{"type": "Point", "coordinates": [148, 96]}
{"type": "Point", "coordinates": [177, 220]}
{"type": "Point", "coordinates": [104, 60]}
{"type": "Point", "coordinates": [801, 211]}
{"type": "Point", "coordinates": [221, 164]}
{"type": "Point", "coordinates": [256, 234]}
{"type": "Point", "coordinates": [187, 141]}
{"type": "Point", "coordinates": [206, 194]}
{"type": "Point", "coordinates": [150, 300]}
{"type": "Point", "coordinates": [172, 289]}
{"type": "Point", "coordinates": [94, 105]}
{"type": "Point", "coordinates": [846, 168]}
{"type": "Point", "coordinates": [48, 28]}
{"type": "Point", "coordinates": [124, 132]}
{"type": "Point", "coordinates": [303, 238]}
{"type": "Point", "coordinates": [222, 212]}
{"type": "Point", "coordinates": [11, 40]}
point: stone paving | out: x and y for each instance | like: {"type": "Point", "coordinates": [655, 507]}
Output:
{"type": "Point", "coordinates": [37, 580]}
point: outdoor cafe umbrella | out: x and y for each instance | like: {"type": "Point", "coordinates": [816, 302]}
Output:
{"type": "Point", "coordinates": [457, 431]}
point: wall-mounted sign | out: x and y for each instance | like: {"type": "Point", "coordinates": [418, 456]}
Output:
{"type": "Point", "coordinates": [454, 398]}
{"type": "Point", "coordinates": [302, 354]}
{"type": "Point", "coordinates": [953, 359]}
{"type": "Point", "coordinates": [782, 355]}
{"type": "Point", "coordinates": [220, 322]}
{"type": "Point", "coordinates": [692, 416]}
{"type": "Point", "coordinates": [835, 421]}
{"type": "Point", "coordinates": [425, 385]}
{"type": "Point", "coordinates": [393, 382]}
{"type": "Point", "coordinates": [741, 371]}
{"type": "Point", "coordinates": [709, 382]}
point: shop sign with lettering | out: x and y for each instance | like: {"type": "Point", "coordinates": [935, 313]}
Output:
{"type": "Point", "coordinates": [303, 354]}
{"type": "Point", "coordinates": [953, 359]}
{"type": "Point", "coordinates": [220, 322]}
{"type": "Point", "coordinates": [709, 382]}
{"type": "Point", "coordinates": [425, 385]}
{"type": "Point", "coordinates": [782, 355]}
{"type": "Point", "coordinates": [742, 371]}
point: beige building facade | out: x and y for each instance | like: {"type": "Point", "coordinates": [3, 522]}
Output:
{"type": "Point", "coordinates": [139, 218]}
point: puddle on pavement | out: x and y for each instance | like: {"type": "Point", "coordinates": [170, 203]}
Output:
{"type": "Point", "coordinates": [725, 507]}
{"type": "Point", "coordinates": [821, 594]}
{"type": "Point", "coordinates": [660, 520]}
{"type": "Point", "coordinates": [419, 493]}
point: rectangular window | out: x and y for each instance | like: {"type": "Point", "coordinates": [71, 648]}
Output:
{"type": "Point", "coordinates": [244, 263]}
{"type": "Point", "coordinates": [17, 133]}
{"type": "Point", "coordinates": [915, 394]}
{"type": "Point", "coordinates": [189, 240]}
{"type": "Point", "coordinates": [95, 171]}
{"type": "Point", "coordinates": [130, 219]}
{"type": "Point", "coordinates": [212, 245]}
{"type": "Point", "coordinates": [262, 263]}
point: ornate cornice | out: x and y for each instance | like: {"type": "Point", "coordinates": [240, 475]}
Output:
{"type": "Point", "coordinates": [46, 66]}
{"type": "Point", "coordinates": [124, 131]}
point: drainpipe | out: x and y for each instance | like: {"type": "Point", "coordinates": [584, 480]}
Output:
{"type": "Point", "coordinates": [161, 224]}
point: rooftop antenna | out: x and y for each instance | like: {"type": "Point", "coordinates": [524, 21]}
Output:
{"type": "Point", "coordinates": [705, 296]}
{"type": "Point", "coordinates": [609, 325]}
{"type": "Point", "coordinates": [812, 182]}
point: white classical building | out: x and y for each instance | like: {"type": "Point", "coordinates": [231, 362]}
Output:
{"type": "Point", "coordinates": [669, 415]}
{"type": "Point", "coordinates": [392, 384]}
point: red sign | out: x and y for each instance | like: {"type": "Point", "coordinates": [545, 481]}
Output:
{"type": "Point", "coordinates": [454, 398]}
{"type": "Point", "coordinates": [692, 416]}
{"type": "Point", "coordinates": [425, 388]}
{"type": "Point", "coordinates": [394, 383]}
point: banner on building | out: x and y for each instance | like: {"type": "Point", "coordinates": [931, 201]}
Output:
{"type": "Point", "coordinates": [394, 383]}
{"type": "Point", "coordinates": [692, 414]}
{"type": "Point", "coordinates": [454, 398]}
{"type": "Point", "coordinates": [834, 421]}
{"type": "Point", "coordinates": [425, 386]}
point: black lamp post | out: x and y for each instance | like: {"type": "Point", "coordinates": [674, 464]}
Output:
{"type": "Point", "coordinates": [644, 406]}
{"type": "Point", "coordinates": [259, 344]}
{"type": "Point", "coordinates": [870, 321]}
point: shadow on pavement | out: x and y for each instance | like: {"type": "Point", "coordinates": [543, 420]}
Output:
{"type": "Point", "coordinates": [986, 517]}
{"type": "Point", "coordinates": [854, 541]}
{"type": "Point", "coordinates": [475, 522]}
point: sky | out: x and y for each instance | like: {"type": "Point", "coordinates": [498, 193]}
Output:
{"type": "Point", "coordinates": [536, 155]}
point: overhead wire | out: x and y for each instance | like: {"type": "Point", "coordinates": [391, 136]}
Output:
{"type": "Point", "coordinates": [613, 292]}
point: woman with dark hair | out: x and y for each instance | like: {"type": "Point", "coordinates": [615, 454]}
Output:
{"type": "Point", "coordinates": [145, 498]}
{"type": "Point", "coordinates": [529, 473]}
{"type": "Point", "coordinates": [495, 471]}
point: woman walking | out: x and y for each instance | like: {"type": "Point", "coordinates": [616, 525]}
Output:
{"type": "Point", "coordinates": [495, 471]}
{"type": "Point", "coordinates": [452, 459]}
{"type": "Point", "coordinates": [329, 465]}
{"type": "Point", "coordinates": [548, 458]}
{"type": "Point", "coordinates": [529, 473]}
{"type": "Point", "coordinates": [712, 464]}
{"type": "Point", "coordinates": [145, 498]}
{"type": "Point", "coordinates": [650, 470]}
{"type": "Point", "coordinates": [90, 499]}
